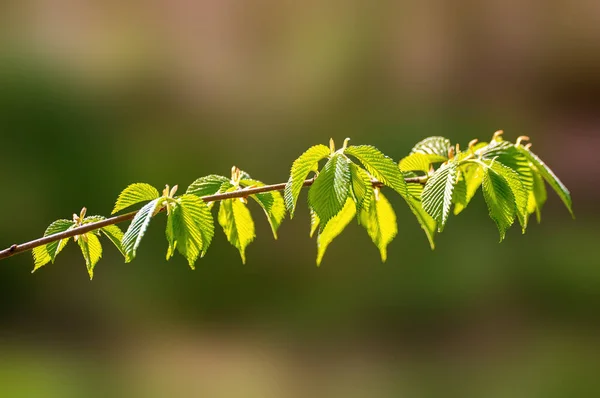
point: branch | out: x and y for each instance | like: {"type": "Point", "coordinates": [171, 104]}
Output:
{"type": "Point", "coordinates": [242, 193]}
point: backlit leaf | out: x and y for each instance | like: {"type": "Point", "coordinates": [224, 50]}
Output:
{"type": "Point", "coordinates": [134, 234]}
{"type": "Point", "coordinates": [550, 177]}
{"type": "Point", "coordinates": [307, 162]}
{"type": "Point", "coordinates": [362, 187]}
{"type": "Point", "coordinates": [500, 200]}
{"type": "Point", "coordinates": [334, 227]}
{"type": "Point", "coordinates": [237, 224]}
{"type": "Point", "coordinates": [91, 248]}
{"type": "Point", "coordinates": [438, 192]}
{"type": "Point", "coordinates": [329, 192]}
{"type": "Point", "coordinates": [271, 202]}
{"type": "Point", "coordinates": [42, 255]}
{"type": "Point", "coordinates": [134, 194]}
{"type": "Point", "coordinates": [433, 146]}
{"type": "Point", "coordinates": [380, 222]}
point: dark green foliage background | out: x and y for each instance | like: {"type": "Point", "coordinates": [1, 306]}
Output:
{"type": "Point", "coordinates": [471, 306]}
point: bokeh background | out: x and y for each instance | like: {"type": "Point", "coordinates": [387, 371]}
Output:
{"type": "Point", "coordinates": [97, 95]}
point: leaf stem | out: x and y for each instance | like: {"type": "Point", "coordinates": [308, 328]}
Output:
{"type": "Point", "coordinates": [242, 193]}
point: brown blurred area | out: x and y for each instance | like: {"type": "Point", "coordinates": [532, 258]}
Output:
{"type": "Point", "coordinates": [97, 95]}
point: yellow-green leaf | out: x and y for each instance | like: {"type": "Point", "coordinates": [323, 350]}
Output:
{"type": "Point", "coordinates": [380, 222]}
{"type": "Point", "coordinates": [134, 194]}
{"type": "Point", "coordinates": [334, 227]}
{"type": "Point", "coordinates": [237, 223]}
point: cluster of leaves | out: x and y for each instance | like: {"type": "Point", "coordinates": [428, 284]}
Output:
{"type": "Point", "coordinates": [432, 179]}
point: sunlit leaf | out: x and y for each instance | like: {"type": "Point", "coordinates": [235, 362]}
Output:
{"type": "Point", "coordinates": [362, 187]}
{"type": "Point", "coordinates": [334, 227]}
{"type": "Point", "coordinates": [518, 190]}
{"type": "Point", "coordinates": [271, 202]}
{"type": "Point", "coordinates": [500, 200]}
{"type": "Point", "coordinates": [209, 185]}
{"type": "Point", "coordinates": [307, 162]}
{"type": "Point", "coordinates": [433, 146]}
{"type": "Point", "coordinates": [537, 197]}
{"type": "Point", "coordinates": [420, 161]}
{"type": "Point", "coordinates": [237, 224]}
{"type": "Point", "coordinates": [329, 192]}
{"type": "Point", "coordinates": [44, 254]}
{"type": "Point", "coordinates": [472, 175]}
{"type": "Point", "coordinates": [91, 248]}
{"type": "Point", "coordinates": [189, 228]}
{"type": "Point", "coordinates": [550, 177]}
{"type": "Point", "coordinates": [134, 234]}
{"type": "Point", "coordinates": [380, 222]}
{"type": "Point", "coordinates": [381, 167]}
{"type": "Point", "coordinates": [438, 192]}
{"type": "Point", "coordinates": [134, 194]}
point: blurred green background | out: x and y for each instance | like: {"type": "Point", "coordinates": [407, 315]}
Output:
{"type": "Point", "coordinates": [97, 95]}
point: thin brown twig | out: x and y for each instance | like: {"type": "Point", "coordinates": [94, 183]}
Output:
{"type": "Point", "coordinates": [242, 193]}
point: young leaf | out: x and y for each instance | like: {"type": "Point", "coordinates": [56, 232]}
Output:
{"type": "Point", "coordinates": [329, 192]}
{"type": "Point", "coordinates": [189, 228]}
{"type": "Point", "coordinates": [271, 202]}
{"type": "Point", "coordinates": [115, 235]}
{"type": "Point", "coordinates": [362, 187]}
{"type": "Point", "coordinates": [550, 177]}
{"type": "Point", "coordinates": [209, 185]}
{"type": "Point", "coordinates": [42, 255]}
{"type": "Point", "coordinates": [314, 222]}
{"type": "Point", "coordinates": [427, 223]}
{"type": "Point", "coordinates": [134, 194]}
{"type": "Point", "coordinates": [334, 227]}
{"type": "Point", "coordinates": [433, 146]}
{"type": "Point", "coordinates": [91, 250]}
{"type": "Point", "coordinates": [507, 154]}
{"type": "Point", "coordinates": [237, 224]}
{"type": "Point", "coordinates": [518, 190]}
{"type": "Point", "coordinates": [472, 175]}
{"type": "Point", "coordinates": [500, 200]}
{"type": "Point", "coordinates": [381, 167]}
{"type": "Point", "coordinates": [134, 234]}
{"type": "Point", "coordinates": [537, 197]}
{"type": "Point", "coordinates": [301, 167]}
{"type": "Point", "coordinates": [380, 223]}
{"type": "Point", "coordinates": [420, 161]}
{"type": "Point", "coordinates": [459, 197]}
{"type": "Point", "coordinates": [438, 193]}
{"type": "Point", "coordinates": [112, 232]}
{"type": "Point", "coordinates": [201, 215]}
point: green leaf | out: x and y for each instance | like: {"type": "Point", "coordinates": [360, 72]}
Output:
{"type": "Point", "coordinates": [519, 192]}
{"type": "Point", "coordinates": [381, 167]}
{"type": "Point", "coordinates": [209, 185]}
{"type": "Point", "coordinates": [190, 228]}
{"type": "Point", "coordinates": [459, 197]}
{"type": "Point", "coordinates": [329, 192]}
{"type": "Point", "coordinates": [134, 194]}
{"type": "Point", "coordinates": [112, 232]}
{"type": "Point", "coordinates": [507, 154]}
{"type": "Point", "coordinates": [307, 162]}
{"type": "Point", "coordinates": [362, 187]}
{"type": "Point", "coordinates": [433, 146]}
{"type": "Point", "coordinates": [537, 197]}
{"type": "Point", "coordinates": [500, 200]}
{"type": "Point", "coordinates": [472, 175]}
{"type": "Point", "coordinates": [91, 248]}
{"type": "Point", "coordinates": [438, 193]}
{"type": "Point", "coordinates": [420, 161]}
{"type": "Point", "coordinates": [271, 202]}
{"type": "Point", "coordinates": [415, 190]}
{"type": "Point", "coordinates": [134, 234]}
{"type": "Point", "coordinates": [237, 224]}
{"type": "Point", "coordinates": [427, 223]}
{"type": "Point", "coordinates": [334, 227]}
{"type": "Point", "coordinates": [550, 177]}
{"type": "Point", "coordinates": [380, 223]}
{"type": "Point", "coordinates": [115, 235]}
{"type": "Point", "coordinates": [42, 255]}
{"type": "Point", "coordinates": [314, 222]}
